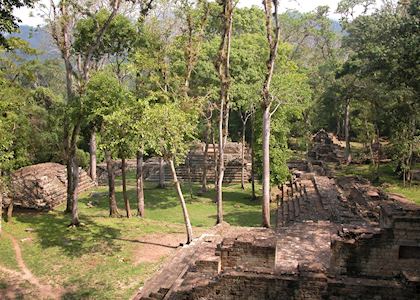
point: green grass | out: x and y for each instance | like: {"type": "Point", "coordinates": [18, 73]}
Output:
{"type": "Point", "coordinates": [387, 179]}
{"type": "Point", "coordinates": [97, 259]}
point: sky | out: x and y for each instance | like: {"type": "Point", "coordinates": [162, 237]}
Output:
{"type": "Point", "coordinates": [30, 16]}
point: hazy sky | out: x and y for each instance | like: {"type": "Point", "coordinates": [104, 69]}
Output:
{"type": "Point", "coordinates": [25, 14]}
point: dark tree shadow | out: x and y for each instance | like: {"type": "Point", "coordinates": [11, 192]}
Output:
{"type": "Point", "coordinates": [52, 231]}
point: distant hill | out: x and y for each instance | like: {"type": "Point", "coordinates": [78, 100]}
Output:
{"type": "Point", "coordinates": [39, 39]}
{"type": "Point", "coordinates": [335, 26]}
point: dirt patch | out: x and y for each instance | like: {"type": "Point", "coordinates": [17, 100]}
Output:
{"type": "Point", "coordinates": [13, 289]}
{"type": "Point", "coordinates": [153, 247]}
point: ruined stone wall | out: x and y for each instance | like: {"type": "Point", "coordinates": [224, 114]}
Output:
{"type": "Point", "coordinates": [240, 286]}
{"type": "Point", "coordinates": [386, 253]}
{"type": "Point", "coordinates": [247, 255]}
{"type": "Point", "coordinates": [236, 285]}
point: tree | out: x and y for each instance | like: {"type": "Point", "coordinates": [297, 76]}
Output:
{"type": "Point", "coordinates": [383, 47]}
{"type": "Point", "coordinates": [247, 75]}
{"type": "Point", "coordinates": [273, 38]}
{"type": "Point", "coordinates": [117, 42]}
{"type": "Point", "coordinates": [15, 133]}
{"type": "Point", "coordinates": [61, 24]}
{"type": "Point", "coordinates": [9, 22]}
{"type": "Point", "coordinates": [118, 136]}
{"type": "Point", "coordinates": [104, 95]}
{"type": "Point", "coordinates": [169, 133]}
{"type": "Point", "coordinates": [222, 66]}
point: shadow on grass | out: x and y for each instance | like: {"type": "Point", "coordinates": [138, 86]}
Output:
{"type": "Point", "coordinates": [90, 238]}
{"type": "Point", "coordinates": [247, 218]}
{"type": "Point", "coordinates": [240, 208]}
{"type": "Point", "coordinates": [85, 293]}
{"type": "Point", "coordinates": [154, 199]}
{"type": "Point", "coordinates": [147, 243]}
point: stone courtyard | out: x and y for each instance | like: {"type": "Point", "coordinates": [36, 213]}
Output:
{"type": "Point", "coordinates": [334, 238]}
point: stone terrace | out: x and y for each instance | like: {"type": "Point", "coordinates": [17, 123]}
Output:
{"type": "Point", "coordinates": [334, 239]}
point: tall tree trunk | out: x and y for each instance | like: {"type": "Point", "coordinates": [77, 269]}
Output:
{"type": "Point", "coordinates": [161, 173]}
{"type": "Point", "coordinates": [182, 201]}
{"type": "Point", "coordinates": [69, 199]}
{"type": "Point", "coordinates": [10, 210]}
{"type": "Point", "coordinates": [338, 127]}
{"type": "Point", "coordinates": [124, 187]}
{"type": "Point", "coordinates": [74, 170]}
{"type": "Point", "coordinates": [347, 153]}
{"type": "Point", "coordinates": [214, 159]}
{"type": "Point", "coordinates": [113, 209]}
{"type": "Point", "coordinates": [74, 193]}
{"type": "Point", "coordinates": [243, 156]}
{"type": "Point", "coordinates": [273, 42]}
{"type": "Point", "coordinates": [266, 166]}
{"type": "Point", "coordinates": [220, 170]}
{"type": "Point", "coordinates": [140, 185]}
{"type": "Point", "coordinates": [222, 67]}
{"type": "Point", "coordinates": [205, 159]}
{"type": "Point", "coordinates": [92, 153]}
{"type": "Point", "coordinates": [254, 197]}
{"type": "Point", "coordinates": [1, 207]}
{"type": "Point", "coordinates": [66, 54]}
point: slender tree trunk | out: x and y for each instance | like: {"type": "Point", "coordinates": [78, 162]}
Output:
{"type": "Point", "coordinates": [214, 159]}
{"type": "Point", "coordinates": [69, 184]}
{"type": "Point", "coordinates": [205, 158]}
{"type": "Point", "coordinates": [92, 152]}
{"type": "Point", "coordinates": [254, 197]}
{"type": "Point", "coordinates": [1, 208]}
{"type": "Point", "coordinates": [220, 169]}
{"type": "Point", "coordinates": [124, 187]}
{"type": "Point", "coordinates": [273, 42]}
{"type": "Point", "coordinates": [161, 173]}
{"type": "Point", "coordinates": [74, 174]}
{"type": "Point", "coordinates": [347, 153]}
{"type": "Point", "coordinates": [266, 166]}
{"type": "Point", "coordinates": [222, 67]}
{"type": "Point", "coordinates": [182, 201]}
{"type": "Point", "coordinates": [113, 209]}
{"type": "Point", "coordinates": [243, 156]}
{"type": "Point", "coordinates": [10, 210]}
{"type": "Point", "coordinates": [140, 185]}
{"type": "Point", "coordinates": [74, 194]}
{"type": "Point", "coordinates": [338, 125]}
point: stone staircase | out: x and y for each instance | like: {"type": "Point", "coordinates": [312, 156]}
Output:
{"type": "Point", "coordinates": [193, 167]}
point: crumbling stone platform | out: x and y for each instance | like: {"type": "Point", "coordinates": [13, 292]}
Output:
{"type": "Point", "coordinates": [334, 239]}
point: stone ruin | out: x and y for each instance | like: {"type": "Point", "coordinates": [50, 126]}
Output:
{"type": "Point", "coordinates": [325, 148]}
{"type": "Point", "coordinates": [333, 239]}
{"type": "Point", "coordinates": [192, 168]}
{"type": "Point", "coordinates": [42, 186]}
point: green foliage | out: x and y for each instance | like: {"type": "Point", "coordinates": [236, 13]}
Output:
{"type": "Point", "coordinates": [292, 94]}
{"type": "Point", "coordinates": [9, 22]}
{"type": "Point", "coordinates": [384, 47]}
{"type": "Point", "coordinates": [169, 130]}
{"type": "Point", "coordinates": [118, 39]}
{"type": "Point", "coordinates": [104, 95]}
{"type": "Point", "coordinates": [14, 126]}
{"type": "Point", "coordinates": [82, 158]}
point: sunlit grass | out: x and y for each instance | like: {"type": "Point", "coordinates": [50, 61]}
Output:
{"type": "Point", "coordinates": [96, 260]}
{"type": "Point", "coordinates": [385, 178]}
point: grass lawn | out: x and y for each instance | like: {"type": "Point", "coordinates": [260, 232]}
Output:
{"type": "Point", "coordinates": [97, 260]}
{"type": "Point", "coordinates": [387, 179]}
